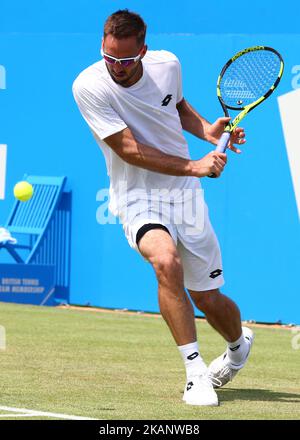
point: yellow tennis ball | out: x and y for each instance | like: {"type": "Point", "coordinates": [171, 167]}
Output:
{"type": "Point", "coordinates": [23, 191]}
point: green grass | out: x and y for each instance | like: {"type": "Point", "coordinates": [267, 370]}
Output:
{"type": "Point", "coordinates": [120, 366]}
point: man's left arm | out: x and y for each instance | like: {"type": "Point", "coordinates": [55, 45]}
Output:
{"type": "Point", "coordinates": [195, 124]}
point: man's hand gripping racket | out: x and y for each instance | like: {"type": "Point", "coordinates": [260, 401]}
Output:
{"type": "Point", "coordinates": [245, 81]}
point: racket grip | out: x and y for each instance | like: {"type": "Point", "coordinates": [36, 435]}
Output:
{"type": "Point", "coordinates": [223, 142]}
{"type": "Point", "coordinates": [222, 145]}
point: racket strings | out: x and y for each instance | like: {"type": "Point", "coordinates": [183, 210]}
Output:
{"type": "Point", "coordinates": [249, 77]}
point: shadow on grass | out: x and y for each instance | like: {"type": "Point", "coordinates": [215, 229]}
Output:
{"type": "Point", "coordinates": [228, 394]}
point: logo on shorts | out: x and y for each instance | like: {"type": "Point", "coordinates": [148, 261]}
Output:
{"type": "Point", "coordinates": [215, 273]}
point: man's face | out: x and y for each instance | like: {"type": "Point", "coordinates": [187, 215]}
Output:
{"type": "Point", "coordinates": [125, 48]}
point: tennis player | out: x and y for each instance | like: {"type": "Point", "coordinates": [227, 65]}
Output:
{"type": "Point", "coordinates": [133, 103]}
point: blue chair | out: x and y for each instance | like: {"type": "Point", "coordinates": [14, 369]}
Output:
{"type": "Point", "coordinates": [42, 227]}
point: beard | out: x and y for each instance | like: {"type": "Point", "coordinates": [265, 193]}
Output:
{"type": "Point", "coordinates": [127, 79]}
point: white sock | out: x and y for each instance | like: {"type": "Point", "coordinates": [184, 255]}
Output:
{"type": "Point", "coordinates": [237, 351]}
{"type": "Point", "coordinates": [194, 364]}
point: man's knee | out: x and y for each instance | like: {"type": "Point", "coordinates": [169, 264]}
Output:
{"type": "Point", "coordinates": [167, 265]}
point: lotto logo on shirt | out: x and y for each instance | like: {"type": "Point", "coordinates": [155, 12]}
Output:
{"type": "Point", "coordinates": [166, 100]}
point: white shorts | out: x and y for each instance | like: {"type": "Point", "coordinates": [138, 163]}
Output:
{"type": "Point", "coordinates": [195, 239]}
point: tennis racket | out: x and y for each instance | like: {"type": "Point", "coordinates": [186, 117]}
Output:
{"type": "Point", "coordinates": [246, 81]}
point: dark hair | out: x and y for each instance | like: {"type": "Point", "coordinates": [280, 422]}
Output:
{"type": "Point", "coordinates": [123, 24]}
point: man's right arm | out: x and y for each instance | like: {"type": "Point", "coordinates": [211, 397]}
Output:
{"type": "Point", "coordinates": [125, 146]}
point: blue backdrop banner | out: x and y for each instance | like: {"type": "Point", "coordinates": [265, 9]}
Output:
{"type": "Point", "coordinates": [254, 206]}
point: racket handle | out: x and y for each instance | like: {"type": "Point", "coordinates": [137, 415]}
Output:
{"type": "Point", "coordinates": [222, 145]}
{"type": "Point", "coordinates": [223, 142]}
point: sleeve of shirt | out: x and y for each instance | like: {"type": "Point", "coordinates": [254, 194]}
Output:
{"type": "Point", "coordinates": [102, 119]}
{"type": "Point", "coordinates": [179, 86]}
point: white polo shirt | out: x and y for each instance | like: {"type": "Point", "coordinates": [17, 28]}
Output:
{"type": "Point", "coordinates": [148, 109]}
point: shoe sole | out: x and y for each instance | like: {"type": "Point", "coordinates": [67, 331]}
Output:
{"type": "Point", "coordinates": [195, 403]}
{"type": "Point", "coordinates": [201, 404]}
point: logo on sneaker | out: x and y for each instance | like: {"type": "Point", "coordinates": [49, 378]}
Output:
{"type": "Point", "coordinates": [215, 273]}
{"type": "Point", "coordinates": [234, 348]}
{"type": "Point", "coordinates": [189, 386]}
{"type": "Point", "coordinates": [193, 356]}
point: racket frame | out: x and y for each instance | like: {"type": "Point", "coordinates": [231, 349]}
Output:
{"type": "Point", "coordinates": [224, 140]}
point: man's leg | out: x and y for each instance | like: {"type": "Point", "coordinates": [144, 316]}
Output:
{"type": "Point", "coordinates": [158, 247]}
{"type": "Point", "coordinates": [220, 311]}
{"type": "Point", "coordinates": [224, 316]}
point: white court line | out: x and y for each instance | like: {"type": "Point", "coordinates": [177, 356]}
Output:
{"type": "Point", "coordinates": [34, 413]}
{"type": "Point", "coordinates": [16, 415]}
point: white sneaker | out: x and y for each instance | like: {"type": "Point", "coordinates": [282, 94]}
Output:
{"type": "Point", "coordinates": [221, 371]}
{"type": "Point", "coordinates": [199, 391]}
